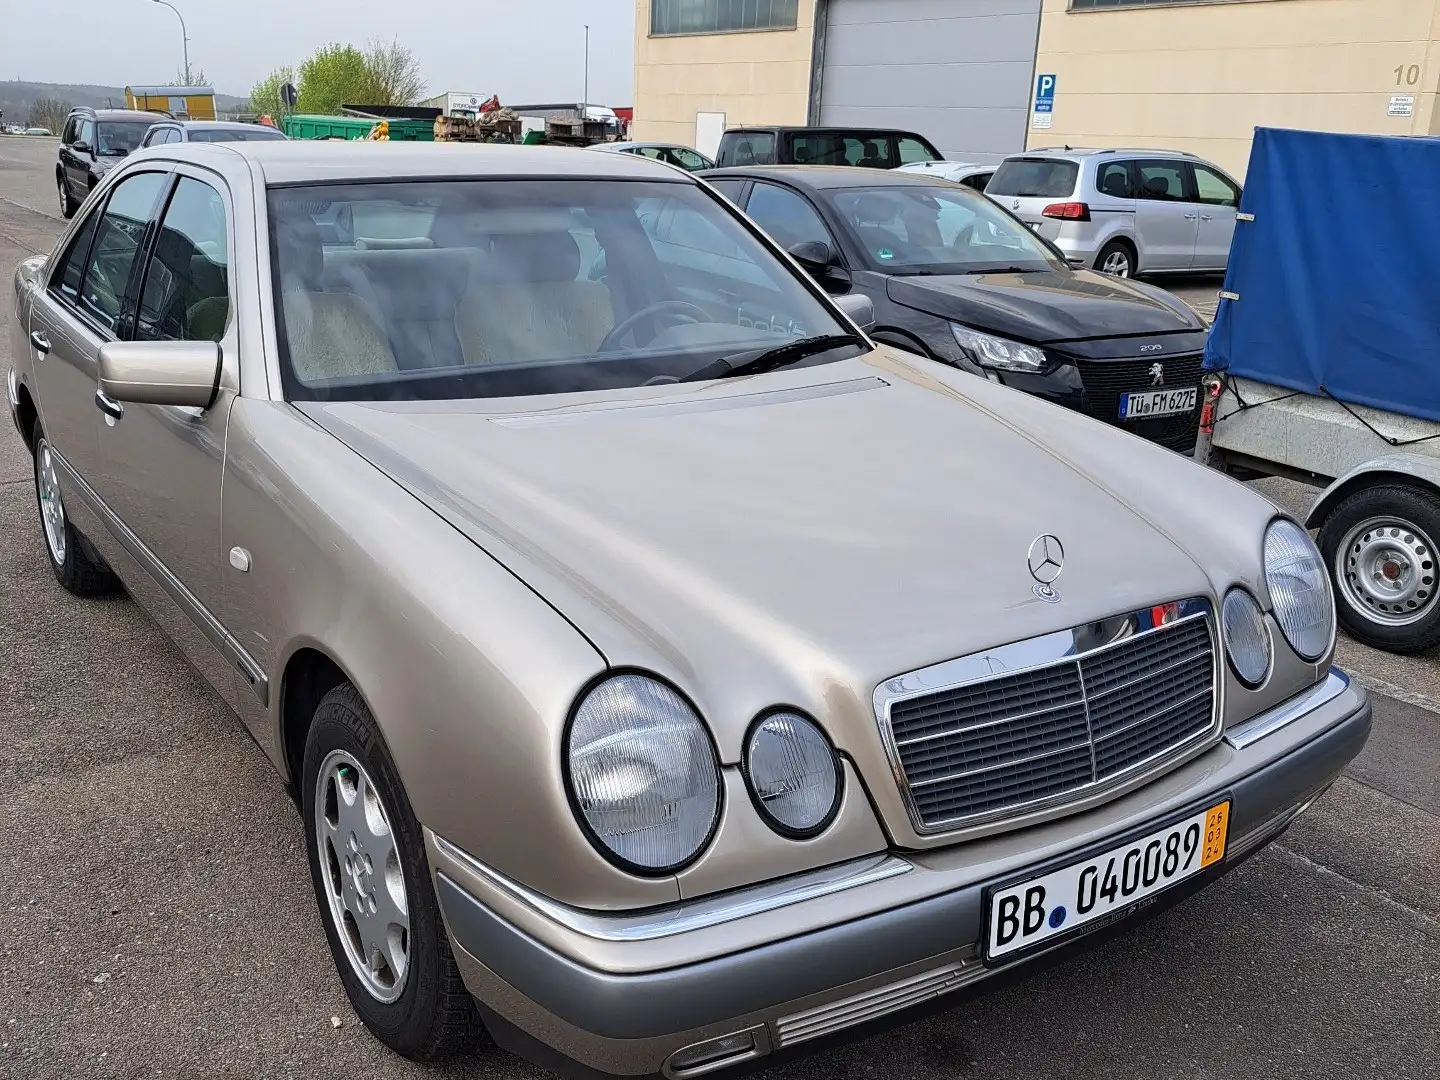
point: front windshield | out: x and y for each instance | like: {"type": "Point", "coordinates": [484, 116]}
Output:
{"type": "Point", "coordinates": [934, 229]}
{"type": "Point", "coordinates": [117, 138]}
{"type": "Point", "coordinates": [471, 289]}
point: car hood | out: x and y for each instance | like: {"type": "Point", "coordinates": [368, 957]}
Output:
{"type": "Point", "coordinates": [1047, 306]}
{"type": "Point", "coordinates": [798, 538]}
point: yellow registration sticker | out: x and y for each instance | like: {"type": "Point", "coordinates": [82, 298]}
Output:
{"type": "Point", "coordinates": [1217, 829]}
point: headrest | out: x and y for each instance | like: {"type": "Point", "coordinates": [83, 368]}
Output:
{"type": "Point", "coordinates": [535, 256]}
{"type": "Point", "coordinates": [870, 208]}
{"type": "Point", "coordinates": [1158, 185]}
{"type": "Point", "coordinates": [1116, 184]}
{"type": "Point", "coordinates": [299, 249]}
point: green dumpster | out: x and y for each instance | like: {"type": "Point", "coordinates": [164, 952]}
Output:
{"type": "Point", "coordinates": [302, 126]}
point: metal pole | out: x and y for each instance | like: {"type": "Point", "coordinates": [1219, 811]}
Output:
{"type": "Point", "coordinates": [184, 36]}
{"type": "Point", "coordinates": [585, 99]}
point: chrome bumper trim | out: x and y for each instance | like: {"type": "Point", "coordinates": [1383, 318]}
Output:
{"type": "Point", "coordinates": [1256, 728]}
{"type": "Point", "coordinates": [696, 914]}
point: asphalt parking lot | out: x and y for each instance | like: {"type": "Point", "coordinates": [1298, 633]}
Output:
{"type": "Point", "coordinates": [156, 918]}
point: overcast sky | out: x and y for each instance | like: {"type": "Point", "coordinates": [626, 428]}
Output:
{"type": "Point", "coordinates": [527, 51]}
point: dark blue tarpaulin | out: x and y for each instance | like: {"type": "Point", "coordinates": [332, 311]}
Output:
{"type": "Point", "coordinates": [1339, 274]}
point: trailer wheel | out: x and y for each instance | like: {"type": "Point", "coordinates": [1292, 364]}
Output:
{"type": "Point", "coordinates": [1379, 544]}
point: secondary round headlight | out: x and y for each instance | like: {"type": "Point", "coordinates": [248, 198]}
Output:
{"type": "Point", "coordinates": [1247, 638]}
{"type": "Point", "coordinates": [1299, 589]}
{"type": "Point", "coordinates": [793, 773]}
{"type": "Point", "coordinates": [643, 774]}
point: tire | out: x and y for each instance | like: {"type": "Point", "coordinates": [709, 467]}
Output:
{"type": "Point", "coordinates": [1119, 255]}
{"type": "Point", "coordinates": [422, 1011]}
{"type": "Point", "coordinates": [76, 564]}
{"type": "Point", "coordinates": [1375, 530]}
{"type": "Point", "coordinates": [68, 205]}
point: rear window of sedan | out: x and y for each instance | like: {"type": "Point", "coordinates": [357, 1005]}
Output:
{"type": "Point", "coordinates": [259, 133]}
{"type": "Point", "coordinates": [431, 290]}
{"type": "Point", "coordinates": [1048, 178]}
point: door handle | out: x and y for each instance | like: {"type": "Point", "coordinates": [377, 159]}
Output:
{"type": "Point", "coordinates": [1189, 217]}
{"type": "Point", "coordinates": [1206, 217]}
{"type": "Point", "coordinates": [40, 341]}
{"type": "Point", "coordinates": [108, 405]}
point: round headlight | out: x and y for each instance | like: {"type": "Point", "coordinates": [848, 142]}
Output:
{"type": "Point", "coordinates": [793, 773]}
{"type": "Point", "coordinates": [643, 774]}
{"type": "Point", "coordinates": [1300, 592]}
{"type": "Point", "coordinates": [1247, 638]}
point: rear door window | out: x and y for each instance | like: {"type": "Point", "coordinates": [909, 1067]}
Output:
{"type": "Point", "coordinates": [731, 189]}
{"type": "Point", "coordinates": [1114, 179]}
{"type": "Point", "coordinates": [128, 214]}
{"type": "Point", "coordinates": [1044, 178]}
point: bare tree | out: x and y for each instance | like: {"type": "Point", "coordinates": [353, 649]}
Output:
{"type": "Point", "coordinates": [49, 112]}
{"type": "Point", "coordinates": [394, 74]}
{"type": "Point", "coordinates": [197, 78]}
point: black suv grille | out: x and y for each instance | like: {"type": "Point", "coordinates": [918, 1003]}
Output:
{"type": "Point", "coordinates": [1106, 380]}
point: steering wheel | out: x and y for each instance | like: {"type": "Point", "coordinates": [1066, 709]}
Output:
{"type": "Point", "coordinates": [680, 310]}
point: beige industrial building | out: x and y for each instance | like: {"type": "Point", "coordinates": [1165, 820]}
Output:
{"type": "Point", "coordinates": [1194, 75]}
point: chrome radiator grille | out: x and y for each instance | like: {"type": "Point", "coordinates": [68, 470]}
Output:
{"type": "Point", "coordinates": [1006, 742]}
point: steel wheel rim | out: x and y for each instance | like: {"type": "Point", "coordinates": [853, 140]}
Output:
{"type": "Point", "coordinates": [1116, 263]}
{"type": "Point", "coordinates": [1386, 570]}
{"type": "Point", "coordinates": [52, 506]}
{"type": "Point", "coordinates": [362, 876]}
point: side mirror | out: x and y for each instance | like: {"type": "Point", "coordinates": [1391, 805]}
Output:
{"type": "Point", "coordinates": [80, 146]}
{"type": "Point", "coordinates": [860, 308]}
{"type": "Point", "coordinates": [814, 255]}
{"type": "Point", "coordinates": [185, 373]}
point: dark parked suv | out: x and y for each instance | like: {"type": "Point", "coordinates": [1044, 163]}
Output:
{"type": "Point", "coordinates": [91, 144]}
{"type": "Point", "coordinates": [869, 148]}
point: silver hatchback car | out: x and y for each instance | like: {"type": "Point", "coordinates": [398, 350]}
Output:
{"type": "Point", "coordinates": [1125, 212]}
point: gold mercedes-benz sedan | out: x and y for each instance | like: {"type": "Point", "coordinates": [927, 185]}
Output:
{"type": "Point", "coordinates": [669, 677]}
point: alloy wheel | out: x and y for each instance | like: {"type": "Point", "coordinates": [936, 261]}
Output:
{"type": "Point", "coordinates": [1116, 263]}
{"type": "Point", "coordinates": [363, 878]}
{"type": "Point", "coordinates": [52, 506]}
{"type": "Point", "coordinates": [1386, 570]}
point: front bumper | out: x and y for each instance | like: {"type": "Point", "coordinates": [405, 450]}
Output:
{"type": "Point", "coordinates": [778, 967]}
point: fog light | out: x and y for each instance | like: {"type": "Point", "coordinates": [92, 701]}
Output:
{"type": "Point", "coordinates": [713, 1054]}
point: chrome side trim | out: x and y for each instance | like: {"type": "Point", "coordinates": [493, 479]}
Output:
{"type": "Point", "coordinates": [1251, 731]}
{"type": "Point", "coordinates": [1037, 654]}
{"type": "Point", "coordinates": [694, 915]}
{"type": "Point", "coordinates": [197, 612]}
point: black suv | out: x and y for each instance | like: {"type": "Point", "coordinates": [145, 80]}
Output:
{"type": "Point", "coordinates": [869, 148]}
{"type": "Point", "coordinates": [90, 145]}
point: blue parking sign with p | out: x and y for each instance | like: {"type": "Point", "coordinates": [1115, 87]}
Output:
{"type": "Point", "coordinates": [1045, 93]}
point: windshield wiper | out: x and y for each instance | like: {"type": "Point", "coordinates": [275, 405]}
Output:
{"type": "Point", "coordinates": [1006, 270]}
{"type": "Point", "coordinates": [730, 367]}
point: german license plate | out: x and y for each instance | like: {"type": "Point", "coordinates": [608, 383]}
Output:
{"type": "Point", "coordinates": [1144, 403]}
{"type": "Point", "coordinates": [1061, 902]}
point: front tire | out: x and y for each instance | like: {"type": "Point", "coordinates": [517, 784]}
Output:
{"type": "Point", "coordinates": [1117, 259]}
{"type": "Point", "coordinates": [1379, 545]}
{"type": "Point", "coordinates": [76, 565]}
{"type": "Point", "coordinates": [372, 885]}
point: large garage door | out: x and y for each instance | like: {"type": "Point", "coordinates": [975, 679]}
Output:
{"type": "Point", "coordinates": [957, 71]}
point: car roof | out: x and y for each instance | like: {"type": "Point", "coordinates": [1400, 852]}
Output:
{"type": "Point", "coordinates": [122, 114]}
{"type": "Point", "coordinates": [829, 129]}
{"type": "Point", "coordinates": [827, 177]}
{"type": "Point", "coordinates": [313, 161]}
{"type": "Point", "coordinates": [1080, 151]}
{"type": "Point", "coordinates": [226, 125]}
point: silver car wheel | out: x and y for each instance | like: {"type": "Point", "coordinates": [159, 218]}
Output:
{"type": "Point", "coordinates": [52, 506]}
{"type": "Point", "coordinates": [1386, 570]}
{"type": "Point", "coordinates": [1116, 263]}
{"type": "Point", "coordinates": [363, 879]}
{"type": "Point", "coordinates": [60, 190]}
